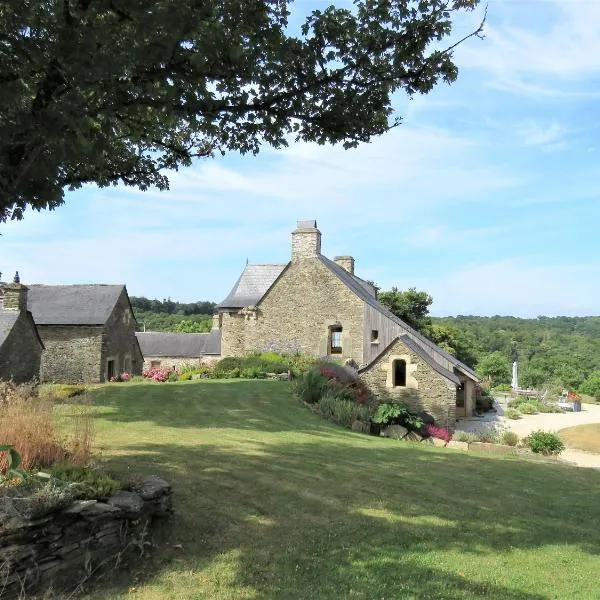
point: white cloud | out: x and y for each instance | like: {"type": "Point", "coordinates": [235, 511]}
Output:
{"type": "Point", "coordinates": [550, 50]}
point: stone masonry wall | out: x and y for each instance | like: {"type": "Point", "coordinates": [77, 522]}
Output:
{"type": "Point", "coordinates": [178, 362]}
{"type": "Point", "coordinates": [57, 550]}
{"type": "Point", "coordinates": [426, 389]}
{"type": "Point", "coordinates": [72, 355]}
{"type": "Point", "coordinates": [295, 316]}
{"type": "Point", "coordinates": [21, 353]}
{"type": "Point", "coordinates": [119, 342]}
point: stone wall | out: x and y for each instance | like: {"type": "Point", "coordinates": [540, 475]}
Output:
{"type": "Point", "coordinates": [119, 342]}
{"type": "Point", "coordinates": [73, 353]}
{"type": "Point", "coordinates": [295, 316]}
{"type": "Point", "coordinates": [61, 549]}
{"type": "Point", "coordinates": [425, 390]}
{"type": "Point", "coordinates": [178, 362]}
{"type": "Point", "coordinates": [21, 353]}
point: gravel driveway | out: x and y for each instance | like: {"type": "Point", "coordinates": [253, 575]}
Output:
{"type": "Point", "coordinates": [590, 413]}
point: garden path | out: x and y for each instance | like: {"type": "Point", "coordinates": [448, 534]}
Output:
{"type": "Point", "coordinates": [590, 413]}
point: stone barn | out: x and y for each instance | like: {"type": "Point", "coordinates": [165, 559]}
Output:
{"type": "Point", "coordinates": [88, 332]}
{"type": "Point", "coordinates": [178, 350]}
{"type": "Point", "coordinates": [21, 347]}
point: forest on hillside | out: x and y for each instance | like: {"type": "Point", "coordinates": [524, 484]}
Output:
{"type": "Point", "coordinates": [563, 351]}
{"type": "Point", "coordinates": [557, 352]}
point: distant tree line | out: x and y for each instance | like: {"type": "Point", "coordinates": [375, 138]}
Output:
{"type": "Point", "coordinates": [203, 307]}
{"type": "Point", "coordinates": [552, 352]}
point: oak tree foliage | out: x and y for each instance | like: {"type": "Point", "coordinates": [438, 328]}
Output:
{"type": "Point", "coordinates": [120, 91]}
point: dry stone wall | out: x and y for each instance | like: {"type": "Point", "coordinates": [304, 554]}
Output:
{"type": "Point", "coordinates": [295, 316]}
{"type": "Point", "coordinates": [428, 391]}
{"type": "Point", "coordinates": [60, 549]}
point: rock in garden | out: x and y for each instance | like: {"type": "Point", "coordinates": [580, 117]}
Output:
{"type": "Point", "coordinates": [395, 432]}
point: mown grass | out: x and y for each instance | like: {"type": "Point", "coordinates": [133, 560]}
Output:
{"type": "Point", "coordinates": [582, 437]}
{"type": "Point", "coordinates": [274, 503]}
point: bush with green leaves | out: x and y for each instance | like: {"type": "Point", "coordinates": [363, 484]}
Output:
{"type": "Point", "coordinates": [509, 438]}
{"type": "Point", "coordinates": [91, 484]}
{"type": "Point", "coordinates": [512, 413]}
{"type": "Point", "coordinates": [396, 413]}
{"type": "Point", "coordinates": [310, 386]}
{"type": "Point", "coordinates": [549, 407]}
{"type": "Point", "coordinates": [341, 410]}
{"type": "Point", "coordinates": [544, 442]}
{"type": "Point", "coordinates": [529, 408]}
{"type": "Point", "coordinates": [502, 387]}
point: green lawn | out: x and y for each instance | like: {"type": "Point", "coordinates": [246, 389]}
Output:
{"type": "Point", "coordinates": [273, 503]}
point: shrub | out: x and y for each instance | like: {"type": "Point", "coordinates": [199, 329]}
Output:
{"type": "Point", "coordinates": [529, 408]}
{"type": "Point", "coordinates": [512, 413]}
{"type": "Point", "coordinates": [510, 438]}
{"type": "Point", "coordinates": [544, 442]}
{"type": "Point", "coordinates": [549, 407]}
{"type": "Point", "coordinates": [488, 435]}
{"type": "Point", "coordinates": [30, 425]}
{"type": "Point", "coordinates": [93, 484]}
{"type": "Point", "coordinates": [310, 386]}
{"type": "Point", "coordinates": [227, 364]}
{"type": "Point", "coordinates": [465, 436]}
{"type": "Point", "coordinates": [342, 411]}
{"type": "Point", "coordinates": [396, 413]}
{"type": "Point", "coordinates": [438, 432]}
{"type": "Point", "coordinates": [502, 387]}
{"type": "Point", "coordinates": [520, 400]}
{"type": "Point", "coordinates": [172, 376]}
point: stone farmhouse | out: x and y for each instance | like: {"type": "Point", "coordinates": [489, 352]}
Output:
{"type": "Point", "coordinates": [177, 350]}
{"type": "Point", "coordinates": [320, 307]}
{"type": "Point", "coordinates": [88, 332]}
{"type": "Point", "coordinates": [20, 344]}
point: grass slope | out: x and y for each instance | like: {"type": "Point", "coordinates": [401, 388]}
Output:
{"type": "Point", "coordinates": [582, 437]}
{"type": "Point", "coordinates": [274, 503]}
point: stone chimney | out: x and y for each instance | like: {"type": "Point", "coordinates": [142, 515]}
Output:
{"type": "Point", "coordinates": [15, 295]}
{"type": "Point", "coordinates": [306, 241]}
{"type": "Point", "coordinates": [216, 324]}
{"type": "Point", "coordinates": [346, 262]}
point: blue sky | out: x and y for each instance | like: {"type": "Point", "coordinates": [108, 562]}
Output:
{"type": "Point", "coordinates": [486, 196]}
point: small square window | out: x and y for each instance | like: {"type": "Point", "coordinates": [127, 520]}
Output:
{"type": "Point", "coordinates": [374, 336]}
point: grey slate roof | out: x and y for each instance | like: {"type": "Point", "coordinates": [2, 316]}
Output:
{"type": "Point", "coordinates": [72, 304]}
{"type": "Point", "coordinates": [354, 283]}
{"type": "Point", "coordinates": [252, 285]}
{"type": "Point", "coordinates": [8, 318]}
{"type": "Point", "coordinates": [180, 345]}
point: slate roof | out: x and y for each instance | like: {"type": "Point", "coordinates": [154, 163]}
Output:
{"type": "Point", "coordinates": [354, 283]}
{"type": "Point", "coordinates": [252, 285]}
{"type": "Point", "coordinates": [8, 318]}
{"type": "Point", "coordinates": [72, 304]}
{"type": "Point", "coordinates": [179, 345]}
